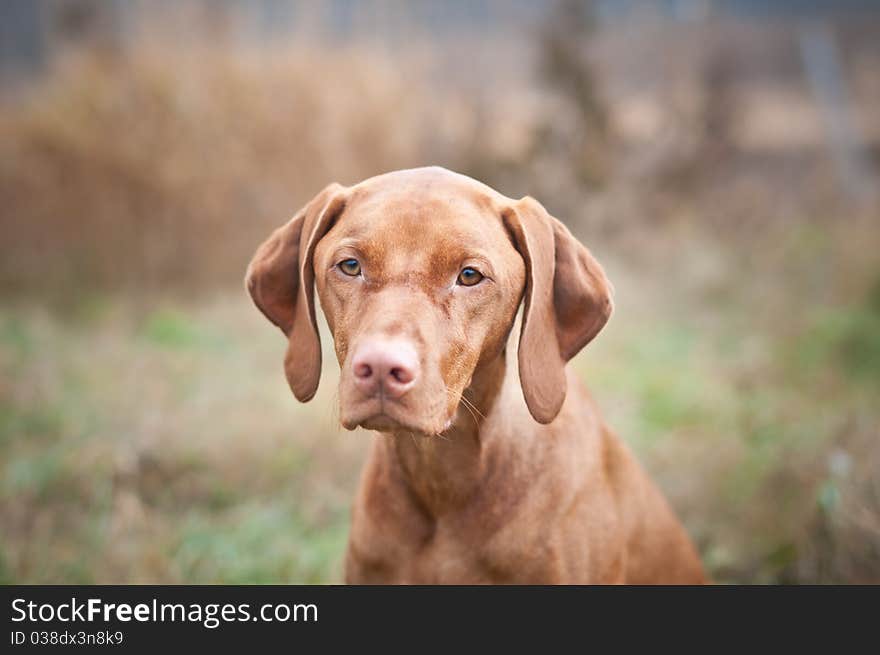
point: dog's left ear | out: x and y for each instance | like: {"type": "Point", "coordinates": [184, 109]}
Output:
{"type": "Point", "coordinates": [280, 279]}
{"type": "Point", "coordinates": [567, 301]}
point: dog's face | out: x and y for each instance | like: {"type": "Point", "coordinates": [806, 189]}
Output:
{"type": "Point", "coordinates": [418, 285]}
{"type": "Point", "coordinates": [420, 274]}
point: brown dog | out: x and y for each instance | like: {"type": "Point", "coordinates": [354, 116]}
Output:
{"type": "Point", "coordinates": [478, 477]}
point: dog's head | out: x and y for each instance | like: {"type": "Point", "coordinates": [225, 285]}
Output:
{"type": "Point", "coordinates": [420, 274]}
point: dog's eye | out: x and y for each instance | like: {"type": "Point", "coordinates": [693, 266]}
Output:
{"type": "Point", "coordinates": [469, 277]}
{"type": "Point", "coordinates": [350, 267]}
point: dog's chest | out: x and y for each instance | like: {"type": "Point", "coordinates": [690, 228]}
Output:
{"type": "Point", "coordinates": [472, 548]}
{"type": "Point", "coordinates": [450, 557]}
{"type": "Point", "coordinates": [445, 556]}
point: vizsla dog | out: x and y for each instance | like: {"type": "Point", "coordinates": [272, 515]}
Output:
{"type": "Point", "coordinates": [484, 471]}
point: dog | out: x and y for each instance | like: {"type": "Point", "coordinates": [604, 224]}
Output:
{"type": "Point", "coordinates": [492, 464]}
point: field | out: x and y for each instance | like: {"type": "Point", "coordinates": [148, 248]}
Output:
{"type": "Point", "coordinates": [156, 441]}
{"type": "Point", "coordinates": [147, 434]}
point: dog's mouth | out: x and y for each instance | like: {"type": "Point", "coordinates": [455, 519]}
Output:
{"type": "Point", "coordinates": [385, 416]}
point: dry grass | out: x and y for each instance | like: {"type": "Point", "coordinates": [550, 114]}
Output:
{"type": "Point", "coordinates": [160, 169]}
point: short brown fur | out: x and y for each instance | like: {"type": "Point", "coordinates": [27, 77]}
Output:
{"type": "Point", "coordinates": [484, 472]}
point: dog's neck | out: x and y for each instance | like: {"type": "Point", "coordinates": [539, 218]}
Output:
{"type": "Point", "coordinates": [444, 471]}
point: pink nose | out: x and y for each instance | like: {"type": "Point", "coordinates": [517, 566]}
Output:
{"type": "Point", "coordinates": [387, 367]}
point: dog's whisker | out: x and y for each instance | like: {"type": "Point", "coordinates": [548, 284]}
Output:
{"type": "Point", "coordinates": [469, 406]}
{"type": "Point", "coordinates": [472, 405]}
{"type": "Point", "coordinates": [473, 416]}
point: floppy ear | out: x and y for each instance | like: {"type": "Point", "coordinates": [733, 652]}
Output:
{"type": "Point", "coordinates": [567, 302]}
{"type": "Point", "coordinates": [280, 279]}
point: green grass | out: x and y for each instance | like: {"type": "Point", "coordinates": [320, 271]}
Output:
{"type": "Point", "coordinates": [259, 544]}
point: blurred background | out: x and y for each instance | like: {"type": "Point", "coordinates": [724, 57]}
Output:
{"type": "Point", "coordinates": [721, 158]}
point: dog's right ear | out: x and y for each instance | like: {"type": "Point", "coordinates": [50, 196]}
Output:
{"type": "Point", "coordinates": [280, 279]}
